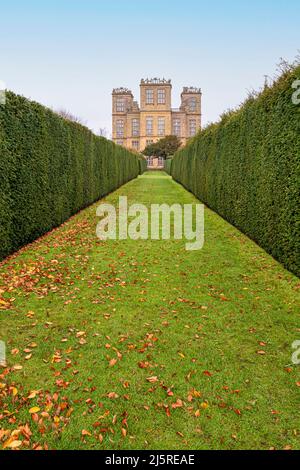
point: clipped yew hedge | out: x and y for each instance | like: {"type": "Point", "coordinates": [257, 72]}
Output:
{"type": "Point", "coordinates": [247, 169]}
{"type": "Point", "coordinates": [51, 168]}
{"type": "Point", "coordinates": [168, 165]}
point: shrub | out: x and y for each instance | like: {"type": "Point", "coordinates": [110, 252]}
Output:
{"type": "Point", "coordinates": [247, 169]}
{"type": "Point", "coordinates": [168, 165]}
{"type": "Point", "coordinates": [50, 169]}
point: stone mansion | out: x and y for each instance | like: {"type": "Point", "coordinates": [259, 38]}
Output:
{"type": "Point", "coordinates": [136, 126]}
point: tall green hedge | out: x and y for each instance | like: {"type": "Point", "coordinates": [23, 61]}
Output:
{"type": "Point", "coordinates": [50, 169]}
{"type": "Point", "coordinates": [247, 169]}
{"type": "Point", "coordinates": [143, 164]}
{"type": "Point", "coordinates": [168, 165]}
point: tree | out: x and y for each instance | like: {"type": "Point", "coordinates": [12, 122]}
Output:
{"type": "Point", "coordinates": [103, 132]}
{"type": "Point", "coordinates": [164, 147]}
{"type": "Point", "coordinates": [70, 117]}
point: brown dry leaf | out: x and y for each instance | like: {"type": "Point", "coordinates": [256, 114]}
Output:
{"type": "Point", "coordinates": [112, 395]}
{"type": "Point", "coordinates": [84, 432]}
{"type": "Point", "coordinates": [124, 432]}
{"type": "Point", "coordinates": [144, 365]}
{"type": "Point", "coordinates": [152, 380]}
{"type": "Point", "coordinates": [178, 404]}
{"type": "Point", "coordinates": [113, 362]}
{"type": "Point", "coordinates": [261, 353]}
{"type": "Point", "coordinates": [80, 334]}
{"type": "Point", "coordinates": [12, 444]}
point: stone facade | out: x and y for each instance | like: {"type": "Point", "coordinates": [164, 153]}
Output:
{"type": "Point", "coordinates": [136, 126]}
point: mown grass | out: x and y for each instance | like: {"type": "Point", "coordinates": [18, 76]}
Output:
{"type": "Point", "coordinates": [213, 330]}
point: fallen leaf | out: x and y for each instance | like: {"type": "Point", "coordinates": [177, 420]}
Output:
{"type": "Point", "coordinates": [152, 380]}
{"type": "Point", "coordinates": [34, 410]}
{"type": "Point", "coordinates": [207, 373]}
{"type": "Point", "coordinates": [12, 444]}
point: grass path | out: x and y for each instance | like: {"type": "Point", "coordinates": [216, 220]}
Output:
{"type": "Point", "coordinates": [143, 345]}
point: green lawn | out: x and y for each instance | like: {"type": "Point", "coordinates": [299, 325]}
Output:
{"type": "Point", "coordinates": [144, 345]}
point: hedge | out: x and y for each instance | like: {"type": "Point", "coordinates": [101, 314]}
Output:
{"type": "Point", "coordinates": [168, 165]}
{"type": "Point", "coordinates": [247, 169]}
{"type": "Point", "coordinates": [143, 164]}
{"type": "Point", "coordinates": [50, 169]}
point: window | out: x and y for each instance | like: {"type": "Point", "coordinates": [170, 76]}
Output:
{"type": "Point", "coordinates": [135, 127]}
{"type": "Point", "coordinates": [149, 97]}
{"type": "Point", "coordinates": [135, 144]}
{"type": "Point", "coordinates": [149, 142]}
{"type": "Point", "coordinates": [149, 126]}
{"type": "Point", "coordinates": [161, 97]}
{"type": "Point", "coordinates": [120, 105]}
{"type": "Point", "coordinates": [119, 142]}
{"type": "Point", "coordinates": [161, 126]}
{"type": "Point", "coordinates": [177, 127]}
{"type": "Point", "coordinates": [193, 105]}
{"type": "Point", "coordinates": [120, 128]}
{"type": "Point", "coordinates": [193, 127]}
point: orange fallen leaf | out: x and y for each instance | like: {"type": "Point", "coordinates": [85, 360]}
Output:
{"type": "Point", "coordinates": [207, 373]}
{"type": "Point", "coordinates": [80, 334]}
{"type": "Point", "coordinates": [12, 444]}
{"type": "Point", "coordinates": [112, 395]}
{"type": "Point", "coordinates": [152, 380]}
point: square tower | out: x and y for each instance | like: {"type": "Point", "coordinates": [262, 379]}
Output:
{"type": "Point", "coordinates": [155, 110]}
{"type": "Point", "coordinates": [191, 98]}
{"type": "Point", "coordinates": [122, 104]}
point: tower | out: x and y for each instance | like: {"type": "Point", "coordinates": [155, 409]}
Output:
{"type": "Point", "coordinates": [155, 112]}
{"type": "Point", "coordinates": [122, 103]}
{"type": "Point", "coordinates": [191, 106]}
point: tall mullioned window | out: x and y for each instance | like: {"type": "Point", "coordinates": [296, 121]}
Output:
{"type": "Point", "coordinates": [192, 127]}
{"type": "Point", "coordinates": [177, 127]}
{"type": "Point", "coordinates": [149, 97]}
{"type": "Point", "coordinates": [193, 105]}
{"type": "Point", "coordinates": [149, 126]}
{"type": "Point", "coordinates": [120, 128]}
{"type": "Point", "coordinates": [135, 127]}
{"type": "Point", "coordinates": [161, 126]}
{"type": "Point", "coordinates": [161, 97]}
{"type": "Point", "coordinates": [120, 105]}
{"type": "Point", "coordinates": [135, 144]}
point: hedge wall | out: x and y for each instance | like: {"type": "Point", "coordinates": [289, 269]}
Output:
{"type": "Point", "coordinates": [247, 169]}
{"type": "Point", "coordinates": [50, 169]}
{"type": "Point", "coordinates": [143, 164]}
{"type": "Point", "coordinates": [168, 165]}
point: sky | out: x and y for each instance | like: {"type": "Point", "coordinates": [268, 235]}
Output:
{"type": "Point", "coordinates": [70, 54]}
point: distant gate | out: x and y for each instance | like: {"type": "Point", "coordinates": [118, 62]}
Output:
{"type": "Point", "coordinates": [155, 163]}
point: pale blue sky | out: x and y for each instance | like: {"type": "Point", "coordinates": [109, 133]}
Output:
{"type": "Point", "coordinates": [71, 53]}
